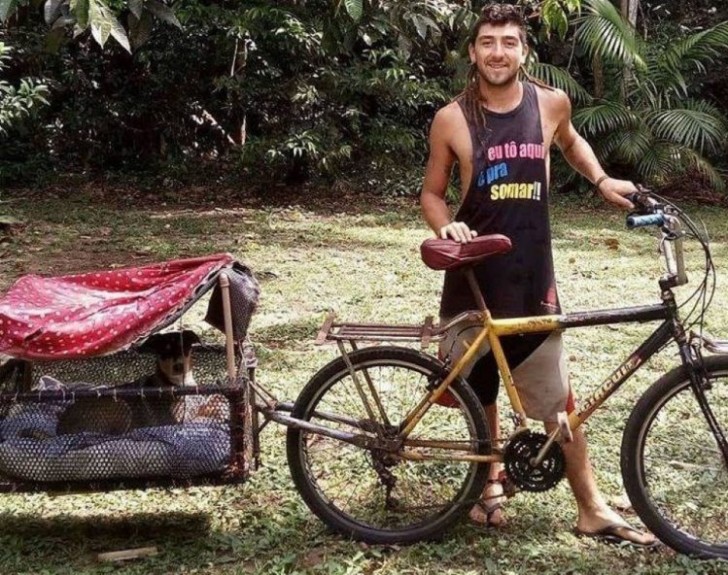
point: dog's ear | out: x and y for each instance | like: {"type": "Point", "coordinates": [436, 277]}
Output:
{"type": "Point", "coordinates": [189, 338]}
{"type": "Point", "coordinates": [152, 344]}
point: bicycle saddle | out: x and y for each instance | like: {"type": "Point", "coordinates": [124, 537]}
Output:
{"type": "Point", "coordinates": [440, 254]}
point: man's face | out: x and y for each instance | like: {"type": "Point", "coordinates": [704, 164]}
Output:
{"type": "Point", "coordinates": [498, 53]}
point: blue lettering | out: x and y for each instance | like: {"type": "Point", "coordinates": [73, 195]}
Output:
{"type": "Point", "coordinates": [481, 179]}
{"type": "Point", "coordinates": [495, 173]}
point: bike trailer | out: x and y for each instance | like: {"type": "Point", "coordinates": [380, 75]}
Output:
{"type": "Point", "coordinates": [94, 397]}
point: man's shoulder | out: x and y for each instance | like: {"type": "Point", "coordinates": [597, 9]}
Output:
{"type": "Point", "coordinates": [553, 101]}
{"type": "Point", "coordinates": [551, 95]}
{"type": "Point", "coordinates": [450, 112]}
{"type": "Point", "coordinates": [448, 120]}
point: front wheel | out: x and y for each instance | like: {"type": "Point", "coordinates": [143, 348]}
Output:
{"type": "Point", "coordinates": [674, 473]}
{"type": "Point", "coordinates": [377, 495]}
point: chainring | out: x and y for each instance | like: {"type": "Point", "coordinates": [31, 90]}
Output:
{"type": "Point", "coordinates": [519, 454]}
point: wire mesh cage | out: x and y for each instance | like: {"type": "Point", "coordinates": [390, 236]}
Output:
{"type": "Point", "coordinates": [110, 422]}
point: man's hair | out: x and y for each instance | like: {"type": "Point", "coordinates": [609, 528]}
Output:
{"type": "Point", "coordinates": [498, 15]}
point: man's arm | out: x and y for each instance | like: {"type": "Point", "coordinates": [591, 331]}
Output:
{"type": "Point", "coordinates": [437, 176]}
{"type": "Point", "coordinates": [581, 157]}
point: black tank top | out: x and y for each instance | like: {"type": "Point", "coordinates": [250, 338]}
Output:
{"type": "Point", "coordinates": [508, 195]}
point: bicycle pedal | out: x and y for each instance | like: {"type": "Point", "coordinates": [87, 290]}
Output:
{"type": "Point", "coordinates": [563, 421]}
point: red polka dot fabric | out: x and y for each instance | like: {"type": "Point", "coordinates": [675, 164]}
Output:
{"type": "Point", "coordinates": [98, 313]}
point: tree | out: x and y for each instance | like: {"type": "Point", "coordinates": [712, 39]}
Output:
{"type": "Point", "coordinates": [650, 121]}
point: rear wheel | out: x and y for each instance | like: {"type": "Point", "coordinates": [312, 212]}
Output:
{"type": "Point", "coordinates": [673, 470]}
{"type": "Point", "coordinates": [376, 495]}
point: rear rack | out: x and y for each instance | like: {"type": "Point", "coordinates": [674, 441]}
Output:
{"type": "Point", "coordinates": [352, 332]}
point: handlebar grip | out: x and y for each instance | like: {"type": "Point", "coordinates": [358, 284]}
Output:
{"type": "Point", "coordinates": [642, 221]}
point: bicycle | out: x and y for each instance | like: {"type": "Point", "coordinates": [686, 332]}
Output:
{"type": "Point", "coordinates": [388, 444]}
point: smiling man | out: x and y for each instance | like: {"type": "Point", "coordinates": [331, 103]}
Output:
{"type": "Point", "coordinates": [499, 131]}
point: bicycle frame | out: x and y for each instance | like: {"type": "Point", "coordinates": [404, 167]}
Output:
{"type": "Point", "coordinates": [491, 332]}
{"type": "Point", "coordinates": [671, 329]}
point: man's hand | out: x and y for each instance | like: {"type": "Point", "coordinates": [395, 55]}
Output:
{"type": "Point", "coordinates": [614, 191]}
{"type": "Point", "coordinates": [459, 231]}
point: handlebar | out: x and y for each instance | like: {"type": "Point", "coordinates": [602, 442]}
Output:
{"type": "Point", "coordinates": [637, 221]}
{"type": "Point", "coordinates": [650, 212]}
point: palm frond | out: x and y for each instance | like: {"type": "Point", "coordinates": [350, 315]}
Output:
{"type": "Point", "coordinates": [658, 159]}
{"type": "Point", "coordinates": [690, 158]}
{"type": "Point", "coordinates": [659, 84]}
{"type": "Point", "coordinates": [633, 145]}
{"type": "Point", "coordinates": [697, 50]}
{"type": "Point", "coordinates": [604, 117]}
{"type": "Point", "coordinates": [605, 146]}
{"type": "Point", "coordinates": [698, 125]}
{"type": "Point", "coordinates": [604, 33]}
{"type": "Point", "coordinates": [561, 79]}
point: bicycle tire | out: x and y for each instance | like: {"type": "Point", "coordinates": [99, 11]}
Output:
{"type": "Point", "coordinates": [343, 487]}
{"type": "Point", "coordinates": [672, 469]}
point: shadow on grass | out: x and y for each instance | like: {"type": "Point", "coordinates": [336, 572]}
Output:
{"type": "Point", "coordinates": [146, 526]}
{"type": "Point", "coordinates": [68, 542]}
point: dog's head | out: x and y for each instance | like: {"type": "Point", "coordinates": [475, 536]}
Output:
{"type": "Point", "coordinates": [174, 355]}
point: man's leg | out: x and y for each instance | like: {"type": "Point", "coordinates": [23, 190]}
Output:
{"type": "Point", "coordinates": [490, 513]}
{"type": "Point", "coordinates": [483, 377]}
{"type": "Point", "coordinates": [594, 513]}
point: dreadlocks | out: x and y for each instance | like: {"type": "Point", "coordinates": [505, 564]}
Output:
{"type": "Point", "coordinates": [498, 15]}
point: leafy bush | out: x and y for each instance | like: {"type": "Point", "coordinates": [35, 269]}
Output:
{"type": "Point", "coordinates": [17, 102]}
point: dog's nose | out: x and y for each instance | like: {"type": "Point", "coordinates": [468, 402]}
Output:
{"type": "Point", "coordinates": [178, 367]}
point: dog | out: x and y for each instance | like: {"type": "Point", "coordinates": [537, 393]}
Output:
{"type": "Point", "coordinates": [174, 358]}
{"type": "Point", "coordinates": [110, 416]}
{"type": "Point", "coordinates": [173, 351]}
{"type": "Point", "coordinates": [173, 368]}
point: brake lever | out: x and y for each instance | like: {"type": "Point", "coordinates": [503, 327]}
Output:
{"type": "Point", "coordinates": [643, 202]}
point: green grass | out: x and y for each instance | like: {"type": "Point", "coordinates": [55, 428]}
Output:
{"type": "Point", "coordinates": [359, 257]}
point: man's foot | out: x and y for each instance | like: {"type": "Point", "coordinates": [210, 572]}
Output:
{"type": "Point", "coordinates": [622, 535]}
{"type": "Point", "coordinates": [488, 512]}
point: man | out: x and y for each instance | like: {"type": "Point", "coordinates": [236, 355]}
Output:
{"type": "Point", "coordinates": [499, 131]}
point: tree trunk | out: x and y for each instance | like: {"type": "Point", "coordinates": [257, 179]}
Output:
{"type": "Point", "coordinates": [629, 8]}
{"type": "Point", "coordinates": [598, 71]}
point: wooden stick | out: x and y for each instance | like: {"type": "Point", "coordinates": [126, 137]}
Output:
{"type": "Point", "coordinates": [127, 554]}
{"type": "Point", "coordinates": [228, 319]}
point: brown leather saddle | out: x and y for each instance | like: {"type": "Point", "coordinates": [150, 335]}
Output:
{"type": "Point", "coordinates": [448, 254]}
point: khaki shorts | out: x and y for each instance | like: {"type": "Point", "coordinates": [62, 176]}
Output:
{"type": "Point", "coordinates": [541, 378]}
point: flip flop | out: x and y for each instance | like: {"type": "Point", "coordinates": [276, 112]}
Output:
{"type": "Point", "coordinates": [614, 535]}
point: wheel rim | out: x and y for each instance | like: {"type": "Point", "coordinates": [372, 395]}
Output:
{"type": "Point", "coordinates": [376, 489]}
{"type": "Point", "coordinates": [682, 470]}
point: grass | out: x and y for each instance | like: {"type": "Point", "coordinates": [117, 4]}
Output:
{"type": "Point", "coordinates": [359, 257]}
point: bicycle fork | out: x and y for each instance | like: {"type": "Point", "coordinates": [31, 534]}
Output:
{"type": "Point", "coordinates": [693, 361]}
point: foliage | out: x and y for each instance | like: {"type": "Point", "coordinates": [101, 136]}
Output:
{"type": "Point", "coordinates": [652, 120]}
{"type": "Point", "coordinates": [343, 90]}
{"type": "Point", "coordinates": [17, 102]}
{"type": "Point", "coordinates": [555, 15]}
{"type": "Point", "coordinates": [98, 17]}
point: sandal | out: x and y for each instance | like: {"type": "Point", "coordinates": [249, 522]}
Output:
{"type": "Point", "coordinates": [488, 509]}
